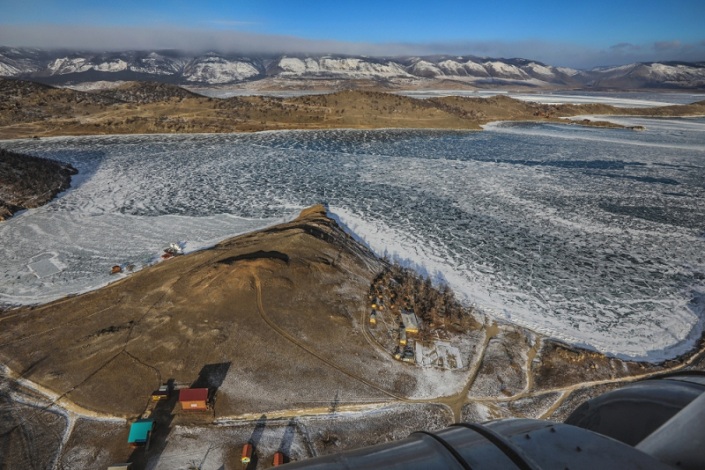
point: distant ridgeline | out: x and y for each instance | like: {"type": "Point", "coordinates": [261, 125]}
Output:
{"type": "Point", "coordinates": [65, 67]}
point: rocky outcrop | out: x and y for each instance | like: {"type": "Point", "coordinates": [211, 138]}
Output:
{"type": "Point", "coordinates": [27, 182]}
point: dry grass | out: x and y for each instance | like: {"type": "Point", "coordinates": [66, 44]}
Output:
{"type": "Point", "coordinates": [28, 109]}
{"type": "Point", "coordinates": [275, 305]}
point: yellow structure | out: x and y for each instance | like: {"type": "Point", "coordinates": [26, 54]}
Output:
{"type": "Point", "coordinates": [402, 337]}
{"type": "Point", "coordinates": [411, 322]}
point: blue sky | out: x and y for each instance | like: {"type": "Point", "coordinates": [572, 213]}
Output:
{"type": "Point", "coordinates": [559, 32]}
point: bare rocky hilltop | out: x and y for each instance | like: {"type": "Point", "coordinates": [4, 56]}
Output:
{"type": "Point", "coordinates": [278, 325]}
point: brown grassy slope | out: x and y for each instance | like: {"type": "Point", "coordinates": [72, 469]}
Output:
{"type": "Point", "coordinates": [29, 109]}
{"type": "Point", "coordinates": [347, 109]}
{"type": "Point", "coordinates": [368, 109]}
{"type": "Point", "coordinates": [108, 349]}
{"type": "Point", "coordinates": [22, 101]}
{"type": "Point", "coordinates": [284, 308]}
{"type": "Point", "coordinates": [27, 182]}
{"type": "Point", "coordinates": [693, 109]}
{"type": "Point", "coordinates": [147, 92]}
{"type": "Point", "coordinates": [152, 108]}
{"type": "Point", "coordinates": [504, 108]}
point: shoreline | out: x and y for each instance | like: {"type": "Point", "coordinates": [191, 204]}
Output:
{"type": "Point", "coordinates": [480, 128]}
{"type": "Point", "coordinates": [162, 323]}
{"type": "Point", "coordinates": [583, 120]}
{"type": "Point", "coordinates": [691, 338]}
{"type": "Point", "coordinates": [694, 342]}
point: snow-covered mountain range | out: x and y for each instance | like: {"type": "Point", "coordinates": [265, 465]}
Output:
{"type": "Point", "coordinates": [70, 67]}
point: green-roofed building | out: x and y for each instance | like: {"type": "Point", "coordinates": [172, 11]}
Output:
{"type": "Point", "coordinates": [140, 432]}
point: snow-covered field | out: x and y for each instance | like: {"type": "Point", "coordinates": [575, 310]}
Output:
{"type": "Point", "coordinates": [633, 99]}
{"type": "Point", "coordinates": [595, 236]}
{"type": "Point", "coordinates": [620, 99]}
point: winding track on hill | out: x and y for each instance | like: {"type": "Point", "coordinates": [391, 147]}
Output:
{"type": "Point", "coordinates": [454, 402]}
{"type": "Point", "coordinates": [299, 344]}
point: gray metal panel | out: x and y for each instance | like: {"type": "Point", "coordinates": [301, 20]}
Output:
{"type": "Point", "coordinates": [631, 413]}
{"type": "Point", "coordinates": [694, 377]}
{"type": "Point", "coordinates": [417, 452]}
{"type": "Point", "coordinates": [559, 446]}
{"type": "Point", "coordinates": [511, 451]}
{"type": "Point", "coordinates": [548, 446]}
{"type": "Point", "coordinates": [681, 440]}
{"type": "Point", "coordinates": [477, 451]}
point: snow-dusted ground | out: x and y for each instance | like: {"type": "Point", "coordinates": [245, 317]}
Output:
{"type": "Point", "coordinates": [594, 236]}
{"type": "Point", "coordinates": [230, 91]}
{"type": "Point", "coordinates": [618, 99]}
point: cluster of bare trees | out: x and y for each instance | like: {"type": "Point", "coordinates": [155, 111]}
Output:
{"type": "Point", "coordinates": [398, 288]}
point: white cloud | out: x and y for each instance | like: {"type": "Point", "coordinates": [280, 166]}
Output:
{"type": "Point", "coordinates": [229, 41]}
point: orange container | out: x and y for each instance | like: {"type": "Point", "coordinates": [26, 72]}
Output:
{"type": "Point", "coordinates": [278, 459]}
{"type": "Point", "coordinates": [246, 453]}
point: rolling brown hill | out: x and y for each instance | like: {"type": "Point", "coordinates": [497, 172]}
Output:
{"type": "Point", "coordinates": [286, 308]}
{"type": "Point", "coordinates": [28, 109]}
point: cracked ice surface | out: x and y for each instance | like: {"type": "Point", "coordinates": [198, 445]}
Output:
{"type": "Point", "coordinates": [593, 236]}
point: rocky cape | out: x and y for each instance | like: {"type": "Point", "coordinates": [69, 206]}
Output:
{"type": "Point", "coordinates": [27, 182]}
{"type": "Point", "coordinates": [276, 324]}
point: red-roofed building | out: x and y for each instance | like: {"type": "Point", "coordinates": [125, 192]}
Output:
{"type": "Point", "coordinates": [194, 399]}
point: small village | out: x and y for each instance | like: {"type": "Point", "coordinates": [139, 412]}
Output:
{"type": "Point", "coordinates": [415, 321]}
{"type": "Point", "coordinates": [408, 317]}
{"type": "Point", "coordinates": [196, 401]}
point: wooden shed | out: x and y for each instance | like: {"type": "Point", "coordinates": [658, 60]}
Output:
{"type": "Point", "coordinates": [278, 459]}
{"type": "Point", "coordinates": [195, 399]}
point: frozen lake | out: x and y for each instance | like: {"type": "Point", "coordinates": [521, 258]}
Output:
{"type": "Point", "coordinates": [593, 236]}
